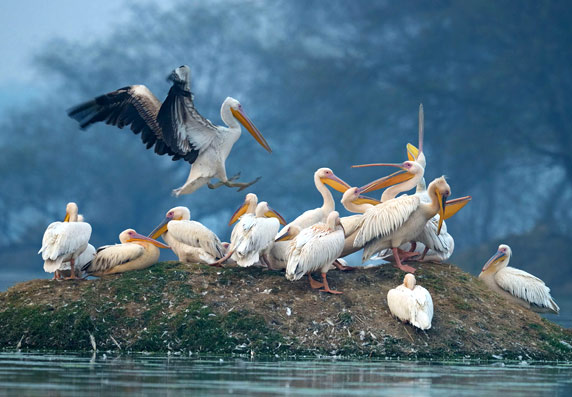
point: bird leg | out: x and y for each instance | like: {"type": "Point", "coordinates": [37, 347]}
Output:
{"type": "Point", "coordinates": [313, 283]}
{"type": "Point", "coordinates": [57, 275]}
{"type": "Point", "coordinates": [342, 267]}
{"type": "Point", "coordinates": [405, 255]}
{"type": "Point", "coordinates": [327, 287]}
{"type": "Point", "coordinates": [405, 268]}
{"type": "Point", "coordinates": [72, 275]}
{"type": "Point", "coordinates": [220, 182]}
{"type": "Point", "coordinates": [423, 254]}
{"type": "Point", "coordinates": [223, 259]}
{"type": "Point", "coordinates": [413, 246]}
{"type": "Point", "coordinates": [241, 185]}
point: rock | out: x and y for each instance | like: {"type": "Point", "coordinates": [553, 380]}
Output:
{"type": "Point", "coordinates": [167, 308]}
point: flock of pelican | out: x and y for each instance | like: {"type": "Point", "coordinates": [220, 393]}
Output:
{"type": "Point", "coordinates": [398, 227]}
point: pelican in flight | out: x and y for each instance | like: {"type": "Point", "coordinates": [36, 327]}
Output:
{"type": "Point", "coordinates": [397, 221]}
{"type": "Point", "coordinates": [314, 248]}
{"type": "Point", "coordinates": [253, 236]}
{"type": "Point", "coordinates": [64, 242]}
{"type": "Point", "coordinates": [411, 303]}
{"type": "Point", "coordinates": [191, 241]}
{"type": "Point", "coordinates": [517, 285]}
{"type": "Point", "coordinates": [175, 127]}
{"type": "Point", "coordinates": [135, 252]}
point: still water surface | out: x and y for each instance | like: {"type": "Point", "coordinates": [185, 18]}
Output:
{"type": "Point", "coordinates": [63, 375]}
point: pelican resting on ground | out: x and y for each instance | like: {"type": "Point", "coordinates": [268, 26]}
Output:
{"type": "Point", "coordinates": [411, 303]}
{"type": "Point", "coordinates": [314, 248]}
{"type": "Point", "coordinates": [517, 285]}
{"type": "Point", "coordinates": [64, 242]}
{"type": "Point", "coordinates": [397, 221]}
{"type": "Point", "coordinates": [175, 127]}
{"type": "Point", "coordinates": [135, 252]}
{"type": "Point", "coordinates": [191, 241]}
{"type": "Point", "coordinates": [254, 236]}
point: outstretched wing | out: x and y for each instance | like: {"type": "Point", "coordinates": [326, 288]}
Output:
{"type": "Point", "coordinates": [133, 105]}
{"type": "Point", "coordinates": [185, 131]}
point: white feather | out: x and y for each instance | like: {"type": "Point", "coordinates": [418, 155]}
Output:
{"type": "Point", "coordinates": [525, 286]}
{"type": "Point", "coordinates": [63, 241]}
{"type": "Point", "coordinates": [193, 242]}
{"type": "Point", "coordinates": [413, 306]}
{"type": "Point", "coordinates": [110, 256]}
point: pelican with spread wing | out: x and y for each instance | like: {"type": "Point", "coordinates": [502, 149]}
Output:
{"type": "Point", "coordinates": [175, 128]}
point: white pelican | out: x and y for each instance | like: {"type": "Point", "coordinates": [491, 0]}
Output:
{"type": "Point", "coordinates": [322, 177]}
{"type": "Point", "coordinates": [517, 285]}
{"type": "Point", "coordinates": [175, 127]}
{"type": "Point", "coordinates": [411, 303]}
{"type": "Point", "coordinates": [315, 248]}
{"type": "Point", "coordinates": [135, 252]}
{"type": "Point", "coordinates": [85, 257]}
{"type": "Point", "coordinates": [397, 221]}
{"type": "Point", "coordinates": [253, 236]}
{"type": "Point", "coordinates": [64, 241]}
{"type": "Point", "coordinates": [191, 241]}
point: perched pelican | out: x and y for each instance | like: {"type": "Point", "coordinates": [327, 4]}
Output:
{"type": "Point", "coordinates": [314, 248]}
{"type": "Point", "coordinates": [322, 177]}
{"type": "Point", "coordinates": [248, 207]}
{"type": "Point", "coordinates": [411, 303]}
{"type": "Point", "coordinates": [191, 241]}
{"type": "Point", "coordinates": [517, 285]}
{"type": "Point", "coordinates": [64, 241]}
{"type": "Point", "coordinates": [85, 257]}
{"type": "Point", "coordinates": [253, 236]}
{"type": "Point", "coordinates": [135, 252]}
{"type": "Point", "coordinates": [175, 127]}
{"type": "Point", "coordinates": [397, 221]}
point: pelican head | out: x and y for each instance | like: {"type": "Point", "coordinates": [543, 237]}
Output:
{"type": "Point", "coordinates": [409, 170]}
{"type": "Point", "coordinates": [500, 259]}
{"type": "Point", "coordinates": [263, 210]}
{"type": "Point", "coordinates": [71, 212]}
{"type": "Point", "coordinates": [288, 233]}
{"type": "Point", "coordinates": [333, 219]}
{"type": "Point", "coordinates": [441, 189]}
{"type": "Point", "coordinates": [130, 235]}
{"type": "Point", "coordinates": [181, 77]}
{"type": "Point", "coordinates": [249, 205]}
{"type": "Point", "coordinates": [238, 113]}
{"type": "Point", "coordinates": [353, 195]}
{"type": "Point", "coordinates": [409, 281]}
{"type": "Point", "coordinates": [327, 176]}
{"type": "Point", "coordinates": [174, 214]}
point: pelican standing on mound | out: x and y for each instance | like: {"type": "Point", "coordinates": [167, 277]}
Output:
{"type": "Point", "coordinates": [314, 248]}
{"type": "Point", "coordinates": [397, 221]}
{"type": "Point", "coordinates": [85, 257]}
{"type": "Point", "coordinates": [517, 285]}
{"type": "Point", "coordinates": [411, 303]}
{"type": "Point", "coordinates": [135, 252]}
{"type": "Point", "coordinates": [64, 242]}
{"type": "Point", "coordinates": [191, 241]}
{"type": "Point", "coordinates": [175, 127]}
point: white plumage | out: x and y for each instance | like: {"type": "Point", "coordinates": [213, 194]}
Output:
{"type": "Point", "coordinates": [191, 241]}
{"type": "Point", "coordinates": [517, 285]}
{"type": "Point", "coordinates": [64, 241]}
{"type": "Point", "coordinates": [411, 303]}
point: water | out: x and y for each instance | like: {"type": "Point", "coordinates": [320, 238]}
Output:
{"type": "Point", "coordinates": [63, 375]}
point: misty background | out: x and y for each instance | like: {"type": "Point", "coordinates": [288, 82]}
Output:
{"type": "Point", "coordinates": [329, 84]}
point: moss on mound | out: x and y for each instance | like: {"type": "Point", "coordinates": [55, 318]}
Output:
{"type": "Point", "coordinates": [176, 307]}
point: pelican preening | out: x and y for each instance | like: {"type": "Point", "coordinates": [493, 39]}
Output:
{"type": "Point", "coordinates": [517, 285]}
{"type": "Point", "coordinates": [411, 303]}
{"type": "Point", "coordinates": [175, 127]}
{"type": "Point", "coordinates": [191, 241]}
{"type": "Point", "coordinates": [65, 242]}
{"type": "Point", "coordinates": [135, 252]}
{"type": "Point", "coordinates": [314, 248]}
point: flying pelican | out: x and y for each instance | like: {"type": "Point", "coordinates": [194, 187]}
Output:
{"type": "Point", "coordinates": [390, 224]}
{"type": "Point", "coordinates": [191, 241]}
{"type": "Point", "coordinates": [253, 236]}
{"type": "Point", "coordinates": [411, 303]}
{"type": "Point", "coordinates": [64, 241]}
{"type": "Point", "coordinates": [517, 285]}
{"type": "Point", "coordinates": [314, 248]}
{"type": "Point", "coordinates": [86, 256]}
{"type": "Point", "coordinates": [175, 127]}
{"type": "Point", "coordinates": [322, 177]}
{"type": "Point", "coordinates": [135, 252]}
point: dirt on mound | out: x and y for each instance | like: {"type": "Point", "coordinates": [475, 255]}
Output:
{"type": "Point", "coordinates": [177, 307]}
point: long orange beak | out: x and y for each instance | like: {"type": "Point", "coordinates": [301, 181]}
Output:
{"type": "Point", "coordinates": [386, 181]}
{"type": "Point", "coordinates": [335, 182]}
{"type": "Point", "coordinates": [442, 204]}
{"type": "Point", "coordinates": [160, 229]}
{"type": "Point", "coordinates": [365, 200]}
{"type": "Point", "coordinates": [241, 116]}
{"type": "Point", "coordinates": [494, 259]}
{"type": "Point", "coordinates": [271, 213]}
{"type": "Point", "coordinates": [412, 152]}
{"type": "Point", "coordinates": [140, 237]}
{"type": "Point", "coordinates": [453, 206]}
{"type": "Point", "coordinates": [67, 218]}
{"type": "Point", "coordinates": [238, 213]}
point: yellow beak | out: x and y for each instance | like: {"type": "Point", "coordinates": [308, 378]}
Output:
{"type": "Point", "coordinates": [442, 204]}
{"type": "Point", "coordinates": [241, 116]}
{"type": "Point", "coordinates": [412, 152]}
{"type": "Point", "coordinates": [453, 206]}
{"type": "Point", "coordinates": [386, 181]}
{"type": "Point", "coordinates": [140, 237]}
{"type": "Point", "coordinates": [285, 236]}
{"type": "Point", "coordinates": [494, 259]}
{"type": "Point", "coordinates": [336, 183]}
{"type": "Point", "coordinates": [271, 213]}
{"type": "Point", "coordinates": [365, 200]}
{"type": "Point", "coordinates": [67, 218]}
{"type": "Point", "coordinates": [238, 213]}
{"type": "Point", "coordinates": [160, 229]}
